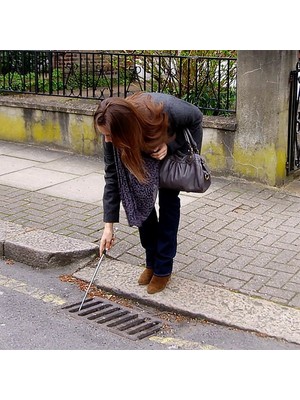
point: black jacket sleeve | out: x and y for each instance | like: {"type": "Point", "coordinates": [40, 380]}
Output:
{"type": "Point", "coordinates": [181, 115]}
{"type": "Point", "coordinates": [111, 195]}
{"type": "Point", "coordinates": [185, 116]}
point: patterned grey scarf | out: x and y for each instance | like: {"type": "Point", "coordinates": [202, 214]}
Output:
{"type": "Point", "coordinates": [138, 199]}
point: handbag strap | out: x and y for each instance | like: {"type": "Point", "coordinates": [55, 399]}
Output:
{"type": "Point", "coordinates": [190, 140]}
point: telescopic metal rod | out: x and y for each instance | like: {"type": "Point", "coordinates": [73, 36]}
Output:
{"type": "Point", "coordinates": [92, 280]}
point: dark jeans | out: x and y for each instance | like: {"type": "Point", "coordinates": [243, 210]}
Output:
{"type": "Point", "coordinates": [158, 235]}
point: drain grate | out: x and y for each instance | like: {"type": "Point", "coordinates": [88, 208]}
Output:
{"type": "Point", "coordinates": [119, 319]}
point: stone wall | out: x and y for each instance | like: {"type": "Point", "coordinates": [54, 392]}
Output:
{"type": "Point", "coordinates": [55, 121]}
{"type": "Point", "coordinates": [260, 145]}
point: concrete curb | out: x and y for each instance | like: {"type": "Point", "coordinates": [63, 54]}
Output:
{"type": "Point", "coordinates": [202, 301]}
{"type": "Point", "coordinates": [42, 249]}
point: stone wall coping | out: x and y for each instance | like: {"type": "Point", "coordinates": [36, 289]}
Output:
{"type": "Point", "coordinates": [89, 106]}
{"type": "Point", "coordinates": [51, 103]}
{"type": "Point", "coordinates": [220, 122]}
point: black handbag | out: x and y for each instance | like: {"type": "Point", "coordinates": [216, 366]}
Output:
{"type": "Point", "coordinates": [185, 172]}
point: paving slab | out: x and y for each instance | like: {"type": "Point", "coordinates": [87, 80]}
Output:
{"type": "Point", "coordinates": [293, 188]}
{"type": "Point", "coordinates": [12, 164]}
{"type": "Point", "coordinates": [74, 165]}
{"type": "Point", "coordinates": [33, 153]}
{"type": "Point", "coordinates": [88, 189]}
{"type": "Point", "coordinates": [201, 301]}
{"type": "Point", "coordinates": [9, 148]}
{"type": "Point", "coordinates": [34, 178]}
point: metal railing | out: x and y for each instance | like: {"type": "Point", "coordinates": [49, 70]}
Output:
{"type": "Point", "coordinates": [293, 152]}
{"type": "Point", "coordinates": [208, 82]}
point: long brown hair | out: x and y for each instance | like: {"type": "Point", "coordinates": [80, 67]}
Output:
{"type": "Point", "coordinates": [137, 125]}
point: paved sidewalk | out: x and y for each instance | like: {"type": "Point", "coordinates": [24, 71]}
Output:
{"type": "Point", "coordinates": [239, 243]}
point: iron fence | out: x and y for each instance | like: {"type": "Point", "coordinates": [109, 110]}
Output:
{"type": "Point", "coordinates": [293, 152]}
{"type": "Point", "coordinates": [208, 82]}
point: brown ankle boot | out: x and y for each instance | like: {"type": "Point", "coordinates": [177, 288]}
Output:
{"type": "Point", "coordinates": [157, 284]}
{"type": "Point", "coordinates": [145, 276]}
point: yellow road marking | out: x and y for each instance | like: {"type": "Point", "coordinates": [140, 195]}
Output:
{"type": "Point", "coordinates": [180, 343]}
{"type": "Point", "coordinates": [36, 293]}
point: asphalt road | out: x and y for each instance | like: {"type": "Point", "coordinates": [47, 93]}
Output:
{"type": "Point", "coordinates": [32, 317]}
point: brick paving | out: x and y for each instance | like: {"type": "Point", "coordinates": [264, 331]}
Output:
{"type": "Point", "coordinates": [47, 212]}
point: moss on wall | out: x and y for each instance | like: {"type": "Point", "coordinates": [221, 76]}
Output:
{"type": "Point", "coordinates": [266, 165]}
{"type": "Point", "coordinates": [217, 148]}
{"type": "Point", "coordinates": [45, 130]}
{"type": "Point", "coordinates": [12, 125]}
{"type": "Point", "coordinates": [215, 156]}
{"type": "Point", "coordinates": [69, 131]}
{"type": "Point", "coordinates": [82, 135]}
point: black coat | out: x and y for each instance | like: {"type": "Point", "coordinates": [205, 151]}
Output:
{"type": "Point", "coordinates": [181, 114]}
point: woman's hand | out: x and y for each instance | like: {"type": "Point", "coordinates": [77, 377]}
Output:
{"type": "Point", "coordinates": [107, 239]}
{"type": "Point", "coordinates": [160, 152]}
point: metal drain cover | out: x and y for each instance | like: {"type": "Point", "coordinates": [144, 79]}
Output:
{"type": "Point", "coordinates": [119, 319]}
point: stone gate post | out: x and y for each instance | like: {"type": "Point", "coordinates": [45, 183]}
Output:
{"type": "Point", "coordinates": [260, 145]}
